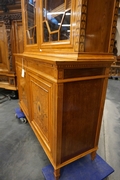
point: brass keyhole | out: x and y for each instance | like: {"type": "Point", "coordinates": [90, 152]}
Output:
{"type": "Point", "coordinates": [39, 108]}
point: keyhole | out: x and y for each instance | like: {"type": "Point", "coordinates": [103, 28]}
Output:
{"type": "Point", "coordinates": [39, 108]}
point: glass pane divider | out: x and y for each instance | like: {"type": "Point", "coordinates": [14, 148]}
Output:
{"type": "Point", "coordinates": [53, 32]}
{"type": "Point", "coordinates": [31, 28]}
{"type": "Point", "coordinates": [48, 26]}
{"type": "Point", "coordinates": [62, 21]}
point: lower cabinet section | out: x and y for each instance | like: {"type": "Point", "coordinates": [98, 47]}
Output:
{"type": "Point", "coordinates": [64, 104]}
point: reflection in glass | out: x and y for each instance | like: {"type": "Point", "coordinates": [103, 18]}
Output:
{"type": "Point", "coordinates": [56, 20]}
{"type": "Point", "coordinates": [54, 37]}
{"type": "Point", "coordinates": [31, 21]}
{"type": "Point", "coordinates": [45, 33]}
{"type": "Point", "coordinates": [65, 27]}
{"type": "Point", "coordinates": [44, 11]}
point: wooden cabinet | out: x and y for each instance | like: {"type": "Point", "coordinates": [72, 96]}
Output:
{"type": "Point", "coordinates": [62, 74]}
{"type": "Point", "coordinates": [9, 45]}
{"type": "Point", "coordinates": [11, 41]}
{"type": "Point", "coordinates": [4, 64]}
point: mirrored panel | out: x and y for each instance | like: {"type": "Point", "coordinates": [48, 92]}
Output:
{"type": "Point", "coordinates": [56, 20]}
{"type": "Point", "coordinates": [30, 15]}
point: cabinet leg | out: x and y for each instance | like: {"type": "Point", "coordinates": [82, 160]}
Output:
{"type": "Point", "coordinates": [93, 155]}
{"type": "Point", "coordinates": [57, 174]}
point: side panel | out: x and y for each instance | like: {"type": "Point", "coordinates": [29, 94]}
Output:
{"type": "Point", "coordinates": [98, 25]}
{"type": "Point", "coordinates": [80, 116]}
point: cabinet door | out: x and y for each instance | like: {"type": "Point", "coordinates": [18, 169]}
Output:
{"type": "Point", "coordinates": [30, 22]}
{"type": "Point", "coordinates": [56, 20]}
{"type": "Point", "coordinates": [41, 108]}
{"type": "Point", "coordinates": [22, 86]}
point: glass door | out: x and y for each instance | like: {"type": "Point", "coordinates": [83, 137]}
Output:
{"type": "Point", "coordinates": [56, 20]}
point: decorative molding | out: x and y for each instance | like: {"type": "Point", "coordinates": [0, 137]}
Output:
{"type": "Point", "coordinates": [81, 16]}
{"type": "Point", "coordinates": [83, 25]}
{"type": "Point", "coordinates": [7, 18]}
{"type": "Point", "coordinates": [77, 26]}
{"type": "Point", "coordinates": [114, 24]}
{"type": "Point", "coordinates": [85, 65]}
{"type": "Point", "coordinates": [4, 78]}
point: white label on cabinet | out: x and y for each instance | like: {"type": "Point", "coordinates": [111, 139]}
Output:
{"type": "Point", "coordinates": [23, 73]}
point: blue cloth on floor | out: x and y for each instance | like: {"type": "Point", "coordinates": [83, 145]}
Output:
{"type": "Point", "coordinates": [19, 113]}
{"type": "Point", "coordinates": [82, 169]}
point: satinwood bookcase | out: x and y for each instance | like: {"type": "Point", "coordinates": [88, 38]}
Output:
{"type": "Point", "coordinates": [63, 73]}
